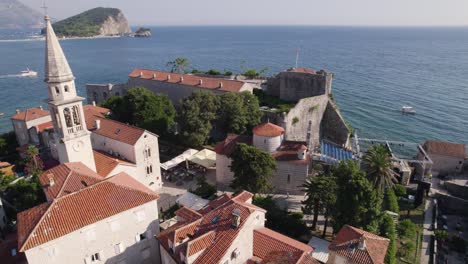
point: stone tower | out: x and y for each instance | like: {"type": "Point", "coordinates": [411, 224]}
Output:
{"type": "Point", "coordinates": [72, 139]}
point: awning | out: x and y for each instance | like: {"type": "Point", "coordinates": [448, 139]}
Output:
{"type": "Point", "coordinates": [205, 158]}
{"type": "Point", "coordinates": [179, 159]}
{"type": "Point", "coordinates": [192, 201]}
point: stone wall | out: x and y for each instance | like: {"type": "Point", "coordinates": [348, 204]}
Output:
{"type": "Point", "coordinates": [293, 86]}
{"type": "Point", "coordinates": [101, 92]}
{"type": "Point", "coordinates": [334, 128]}
{"type": "Point", "coordinates": [289, 177]}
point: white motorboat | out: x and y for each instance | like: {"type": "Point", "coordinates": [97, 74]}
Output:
{"type": "Point", "coordinates": [28, 73]}
{"type": "Point", "coordinates": [408, 109]}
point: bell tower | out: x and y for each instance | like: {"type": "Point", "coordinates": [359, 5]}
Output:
{"type": "Point", "coordinates": [72, 138]}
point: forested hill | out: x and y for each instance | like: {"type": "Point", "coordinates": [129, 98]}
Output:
{"type": "Point", "coordinates": [14, 14]}
{"type": "Point", "coordinates": [95, 22]}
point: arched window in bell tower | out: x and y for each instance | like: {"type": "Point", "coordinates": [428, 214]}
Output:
{"type": "Point", "coordinates": [68, 118]}
{"type": "Point", "coordinates": [76, 115]}
{"type": "Point", "coordinates": [57, 91]}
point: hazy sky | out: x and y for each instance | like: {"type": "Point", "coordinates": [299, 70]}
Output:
{"type": "Point", "coordinates": [274, 12]}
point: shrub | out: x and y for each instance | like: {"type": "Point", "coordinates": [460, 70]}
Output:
{"type": "Point", "coordinates": [400, 190]}
{"type": "Point", "coordinates": [213, 72]}
{"type": "Point", "coordinates": [406, 229]}
{"type": "Point", "coordinates": [391, 202]}
{"type": "Point", "coordinates": [228, 73]}
{"type": "Point", "coordinates": [295, 120]}
{"type": "Point", "coordinates": [387, 229]}
{"type": "Point", "coordinates": [441, 235]}
{"type": "Point", "coordinates": [204, 189]}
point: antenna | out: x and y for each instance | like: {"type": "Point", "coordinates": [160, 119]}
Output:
{"type": "Point", "coordinates": [44, 6]}
{"type": "Point", "coordinates": [297, 56]}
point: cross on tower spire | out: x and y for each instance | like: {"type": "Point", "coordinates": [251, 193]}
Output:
{"type": "Point", "coordinates": [44, 6]}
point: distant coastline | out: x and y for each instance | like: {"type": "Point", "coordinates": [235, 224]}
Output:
{"type": "Point", "coordinates": [63, 38]}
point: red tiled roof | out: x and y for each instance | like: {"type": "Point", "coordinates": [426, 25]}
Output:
{"type": "Point", "coordinates": [119, 131]}
{"type": "Point", "coordinates": [189, 80]}
{"type": "Point", "coordinates": [346, 244]}
{"type": "Point", "coordinates": [47, 125]}
{"type": "Point", "coordinates": [215, 204]}
{"type": "Point", "coordinates": [268, 130]}
{"type": "Point", "coordinates": [188, 214]}
{"type": "Point", "coordinates": [4, 164]}
{"type": "Point", "coordinates": [74, 211]}
{"type": "Point", "coordinates": [302, 70]}
{"type": "Point", "coordinates": [445, 148]}
{"type": "Point", "coordinates": [212, 235]}
{"type": "Point", "coordinates": [30, 114]}
{"type": "Point", "coordinates": [227, 146]}
{"type": "Point", "coordinates": [106, 163]}
{"type": "Point", "coordinates": [273, 247]}
{"type": "Point", "coordinates": [67, 178]}
{"type": "Point", "coordinates": [92, 113]}
{"type": "Point", "coordinates": [288, 152]}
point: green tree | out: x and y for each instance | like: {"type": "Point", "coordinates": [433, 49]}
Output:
{"type": "Point", "coordinates": [400, 190]}
{"type": "Point", "coordinates": [390, 201]}
{"type": "Point", "coordinates": [357, 203]}
{"type": "Point", "coordinates": [143, 108]}
{"type": "Point", "coordinates": [406, 229]}
{"type": "Point", "coordinates": [204, 189]}
{"type": "Point", "coordinates": [378, 165]}
{"type": "Point", "coordinates": [253, 73]}
{"type": "Point", "coordinates": [25, 194]}
{"type": "Point", "coordinates": [320, 195]}
{"type": "Point", "coordinates": [213, 72]}
{"type": "Point", "coordinates": [32, 161]}
{"type": "Point", "coordinates": [387, 229]}
{"type": "Point", "coordinates": [196, 116]}
{"type": "Point", "coordinates": [5, 181]}
{"type": "Point", "coordinates": [441, 235]}
{"type": "Point", "coordinates": [179, 65]}
{"type": "Point", "coordinates": [252, 168]}
{"type": "Point", "coordinates": [8, 145]}
{"type": "Point", "coordinates": [238, 112]}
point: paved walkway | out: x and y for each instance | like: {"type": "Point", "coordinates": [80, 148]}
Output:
{"type": "Point", "coordinates": [426, 241]}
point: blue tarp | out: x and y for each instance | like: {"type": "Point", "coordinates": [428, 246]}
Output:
{"type": "Point", "coordinates": [332, 153]}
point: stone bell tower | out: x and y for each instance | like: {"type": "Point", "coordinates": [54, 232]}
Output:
{"type": "Point", "coordinates": [72, 139]}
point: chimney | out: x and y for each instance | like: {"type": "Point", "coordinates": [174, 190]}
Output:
{"type": "Point", "coordinates": [40, 107]}
{"type": "Point", "coordinates": [200, 82]}
{"type": "Point", "coordinates": [97, 124]}
{"type": "Point", "coordinates": [18, 111]}
{"type": "Point", "coordinates": [168, 77]}
{"type": "Point", "coordinates": [181, 79]}
{"type": "Point", "coordinates": [154, 76]}
{"type": "Point", "coordinates": [362, 244]}
{"type": "Point", "coordinates": [51, 180]}
{"type": "Point", "coordinates": [235, 221]}
{"type": "Point", "coordinates": [220, 85]}
{"type": "Point", "coordinates": [141, 74]}
{"type": "Point", "coordinates": [94, 103]}
{"type": "Point", "coordinates": [301, 152]}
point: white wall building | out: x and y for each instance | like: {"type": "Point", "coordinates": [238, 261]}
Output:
{"type": "Point", "coordinates": [447, 157]}
{"type": "Point", "coordinates": [90, 219]}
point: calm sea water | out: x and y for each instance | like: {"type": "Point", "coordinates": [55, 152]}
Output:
{"type": "Point", "coordinates": [378, 70]}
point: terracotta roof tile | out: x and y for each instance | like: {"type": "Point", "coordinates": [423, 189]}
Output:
{"type": "Point", "coordinates": [215, 204]}
{"type": "Point", "coordinates": [273, 247]}
{"type": "Point", "coordinates": [243, 196]}
{"type": "Point", "coordinates": [30, 114]}
{"type": "Point", "coordinates": [346, 244]}
{"type": "Point", "coordinates": [44, 126]}
{"type": "Point", "coordinates": [73, 211]}
{"type": "Point", "coordinates": [445, 148]}
{"type": "Point", "coordinates": [227, 146]}
{"type": "Point", "coordinates": [92, 113]}
{"type": "Point", "coordinates": [188, 214]}
{"type": "Point", "coordinates": [106, 163]}
{"type": "Point", "coordinates": [67, 178]}
{"type": "Point", "coordinates": [268, 130]}
{"type": "Point", "coordinates": [288, 152]}
{"type": "Point", "coordinates": [302, 70]}
{"type": "Point", "coordinates": [200, 243]}
{"type": "Point", "coordinates": [119, 131]}
{"type": "Point", "coordinates": [189, 80]}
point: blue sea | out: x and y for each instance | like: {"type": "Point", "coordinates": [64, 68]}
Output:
{"type": "Point", "coordinates": [377, 70]}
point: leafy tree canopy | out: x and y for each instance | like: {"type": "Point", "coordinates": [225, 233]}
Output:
{"type": "Point", "coordinates": [238, 112]}
{"type": "Point", "coordinates": [143, 108]}
{"type": "Point", "coordinates": [25, 194]}
{"type": "Point", "coordinates": [195, 117]}
{"type": "Point", "coordinates": [390, 201]}
{"type": "Point", "coordinates": [357, 204]}
{"type": "Point", "coordinates": [320, 195]}
{"type": "Point", "coordinates": [179, 65]}
{"type": "Point", "coordinates": [252, 168]}
{"type": "Point", "coordinates": [387, 230]}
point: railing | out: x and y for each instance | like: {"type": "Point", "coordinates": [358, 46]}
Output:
{"type": "Point", "coordinates": [75, 129]}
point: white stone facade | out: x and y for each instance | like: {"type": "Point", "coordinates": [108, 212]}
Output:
{"type": "Point", "coordinates": [117, 239]}
{"type": "Point", "coordinates": [26, 132]}
{"type": "Point", "coordinates": [268, 144]}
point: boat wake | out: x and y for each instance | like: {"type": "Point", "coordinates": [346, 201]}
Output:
{"type": "Point", "coordinates": [14, 76]}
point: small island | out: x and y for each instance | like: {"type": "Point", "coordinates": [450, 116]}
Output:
{"type": "Point", "coordinates": [143, 33]}
{"type": "Point", "coordinates": [97, 22]}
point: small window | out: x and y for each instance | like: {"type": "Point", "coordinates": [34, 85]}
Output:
{"type": "Point", "coordinates": [95, 257]}
{"type": "Point", "coordinates": [289, 179]}
{"type": "Point", "coordinates": [57, 91]}
{"type": "Point", "coordinates": [119, 248]}
{"type": "Point", "coordinates": [66, 88]}
{"type": "Point", "coordinates": [151, 168]}
{"type": "Point", "coordinates": [149, 153]}
{"type": "Point", "coordinates": [13, 252]}
{"type": "Point", "coordinates": [140, 237]}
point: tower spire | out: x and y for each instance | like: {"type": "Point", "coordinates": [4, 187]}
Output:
{"type": "Point", "coordinates": [56, 68]}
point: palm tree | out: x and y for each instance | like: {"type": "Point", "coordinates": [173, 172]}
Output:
{"type": "Point", "coordinates": [179, 65]}
{"type": "Point", "coordinates": [378, 166]}
{"type": "Point", "coordinates": [320, 196]}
